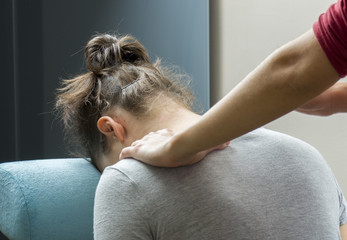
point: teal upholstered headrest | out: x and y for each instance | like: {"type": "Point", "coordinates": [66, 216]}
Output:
{"type": "Point", "coordinates": [47, 199]}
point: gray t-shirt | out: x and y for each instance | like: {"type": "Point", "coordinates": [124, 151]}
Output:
{"type": "Point", "coordinates": [265, 185]}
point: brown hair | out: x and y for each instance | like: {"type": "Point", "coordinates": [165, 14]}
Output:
{"type": "Point", "coordinates": [121, 75]}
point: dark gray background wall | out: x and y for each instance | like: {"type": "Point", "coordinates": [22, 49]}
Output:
{"type": "Point", "coordinates": [43, 42]}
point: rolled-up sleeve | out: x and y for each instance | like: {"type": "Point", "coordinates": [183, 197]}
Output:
{"type": "Point", "coordinates": [331, 33]}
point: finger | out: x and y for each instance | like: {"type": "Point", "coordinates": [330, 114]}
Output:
{"type": "Point", "coordinates": [222, 146]}
{"type": "Point", "coordinates": [135, 143]}
{"type": "Point", "coordinates": [165, 132]}
{"type": "Point", "coordinates": [127, 153]}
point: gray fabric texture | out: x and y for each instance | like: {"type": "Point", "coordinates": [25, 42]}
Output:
{"type": "Point", "coordinates": [265, 185]}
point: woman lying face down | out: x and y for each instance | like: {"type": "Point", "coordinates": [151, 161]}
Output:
{"type": "Point", "coordinates": [122, 98]}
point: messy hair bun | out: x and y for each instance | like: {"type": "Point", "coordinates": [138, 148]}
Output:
{"type": "Point", "coordinates": [121, 76]}
{"type": "Point", "coordinates": [106, 51]}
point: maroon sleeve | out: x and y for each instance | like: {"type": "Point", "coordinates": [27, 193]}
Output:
{"type": "Point", "coordinates": [331, 33]}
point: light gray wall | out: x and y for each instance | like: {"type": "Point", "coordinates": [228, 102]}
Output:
{"type": "Point", "coordinates": [243, 33]}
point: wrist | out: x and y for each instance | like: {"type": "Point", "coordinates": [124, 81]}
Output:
{"type": "Point", "coordinates": [178, 149]}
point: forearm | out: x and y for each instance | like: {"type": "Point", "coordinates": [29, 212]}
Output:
{"type": "Point", "coordinates": [285, 80]}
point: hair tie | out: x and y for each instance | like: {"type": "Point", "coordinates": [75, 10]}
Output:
{"type": "Point", "coordinates": [130, 84]}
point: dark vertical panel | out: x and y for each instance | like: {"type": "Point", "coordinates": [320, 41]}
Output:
{"type": "Point", "coordinates": [28, 78]}
{"type": "Point", "coordinates": [7, 123]}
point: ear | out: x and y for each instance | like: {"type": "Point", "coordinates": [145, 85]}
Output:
{"type": "Point", "coordinates": [111, 128]}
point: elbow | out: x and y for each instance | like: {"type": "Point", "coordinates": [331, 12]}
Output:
{"type": "Point", "coordinates": [303, 68]}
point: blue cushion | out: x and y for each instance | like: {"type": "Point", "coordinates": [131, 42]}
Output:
{"type": "Point", "coordinates": [47, 199]}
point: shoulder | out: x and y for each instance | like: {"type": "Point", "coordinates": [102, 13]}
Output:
{"type": "Point", "coordinates": [125, 176]}
{"type": "Point", "coordinates": [128, 168]}
{"type": "Point", "coordinates": [121, 171]}
{"type": "Point", "coordinates": [274, 142]}
{"type": "Point", "coordinates": [264, 148]}
{"type": "Point", "coordinates": [119, 208]}
{"type": "Point", "coordinates": [118, 186]}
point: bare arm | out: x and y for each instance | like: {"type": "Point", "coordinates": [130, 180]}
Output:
{"type": "Point", "coordinates": [289, 77]}
{"type": "Point", "coordinates": [285, 80]}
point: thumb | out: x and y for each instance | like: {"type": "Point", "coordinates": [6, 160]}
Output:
{"type": "Point", "coordinates": [127, 152]}
{"type": "Point", "coordinates": [222, 146]}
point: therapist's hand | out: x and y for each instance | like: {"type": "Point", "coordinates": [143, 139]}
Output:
{"type": "Point", "coordinates": [333, 100]}
{"type": "Point", "coordinates": [320, 105]}
{"type": "Point", "coordinates": [158, 149]}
